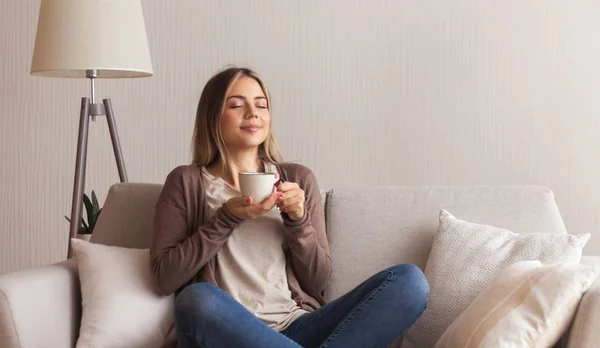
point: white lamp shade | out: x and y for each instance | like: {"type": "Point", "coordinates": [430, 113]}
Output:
{"type": "Point", "coordinates": [104, 35]}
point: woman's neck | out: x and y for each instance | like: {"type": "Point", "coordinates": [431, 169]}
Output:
{"type": "Point", "coordinates": [236, 163]}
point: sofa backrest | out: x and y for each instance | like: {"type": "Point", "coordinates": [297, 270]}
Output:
{"type": "Point", "coordinates": [127, 216]}
{"type": "Point", "coordinates": [369, 228]}
{"type": "Point", "coordinates": [128, 213]}
{"type": "Point", "coordinates": [372, 228]}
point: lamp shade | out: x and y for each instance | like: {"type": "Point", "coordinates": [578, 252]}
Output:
{"type": "Point", "coordinates": [108, 36]}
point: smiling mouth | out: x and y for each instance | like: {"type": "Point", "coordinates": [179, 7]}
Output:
{"type": "Point", "coordinates": [251, 128]}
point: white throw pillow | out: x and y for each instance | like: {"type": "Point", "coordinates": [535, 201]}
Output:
{"type": "Point", "coordinates": [466, 257]}
{"type": "Point", "coordinates": [527, 305]}
{"type": "Point", "coordinates": [121, 307]}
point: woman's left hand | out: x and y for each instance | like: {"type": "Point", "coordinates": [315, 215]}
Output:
{"type": "Point", "coordinates": [292, 200]}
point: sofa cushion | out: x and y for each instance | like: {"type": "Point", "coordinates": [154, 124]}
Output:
{"type": "Point", "coordinates": [466, 257]}
{"type": "Point", "coordinates": [372, 228]}
{"type": "Point", "coordinates": [527, 305]}
{"type": "Point", "coordinates": [121, 307]}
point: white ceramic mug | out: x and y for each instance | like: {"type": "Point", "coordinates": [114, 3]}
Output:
{"type": "Point", "coordinates": [259, 186]}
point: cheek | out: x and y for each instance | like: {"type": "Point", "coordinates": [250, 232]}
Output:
{"type": "Point", "coordinates": [228, 122]}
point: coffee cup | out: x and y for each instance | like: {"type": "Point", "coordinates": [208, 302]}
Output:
{"type": "Point", "coordinates": [259, 186]}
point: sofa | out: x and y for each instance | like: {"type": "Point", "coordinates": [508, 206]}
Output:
{"type": "Point", "coordinates": [369, 229]}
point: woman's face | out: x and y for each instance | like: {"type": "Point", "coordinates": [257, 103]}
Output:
{"type": "Point", "coordinates": [246, 120]}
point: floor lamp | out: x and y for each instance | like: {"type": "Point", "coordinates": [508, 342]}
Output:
{"type": "Point", "coordinates": [91, 39]}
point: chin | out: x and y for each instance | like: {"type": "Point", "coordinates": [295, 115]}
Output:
{"type": "Point", "coordinates": [244, 140]}
{"type": "Point", "coordinates": [252, 141]}
{"type": "Point", "coordinates": [249, 144]}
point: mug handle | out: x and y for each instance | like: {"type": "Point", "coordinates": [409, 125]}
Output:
{"type": "Point", "coordinates": [276, 182]}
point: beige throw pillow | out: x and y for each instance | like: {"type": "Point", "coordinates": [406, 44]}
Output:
{"type": "Point", "coordinates": [527, 305]}
{"type": "Point", "coordinates": [466, 257]}
{"type": "Point", "coordinates": [120, 305]}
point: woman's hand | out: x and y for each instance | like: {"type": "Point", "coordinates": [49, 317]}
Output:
{"type": "Point", "coordinates": [291, 200]}
{"type": "Point", "coordinates": [243, 208]}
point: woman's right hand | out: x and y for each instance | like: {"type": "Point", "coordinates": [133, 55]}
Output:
{"type": "Point", "coordinates": [243, 208]}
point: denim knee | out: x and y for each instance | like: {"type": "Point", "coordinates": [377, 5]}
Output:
{"type": "Point", "coordinates": [198, 300]}
{"type": "Point", "coordinates": [412, 276]}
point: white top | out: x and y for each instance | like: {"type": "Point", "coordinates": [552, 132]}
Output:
{"type": "Point", "coordinates": [251, 264]}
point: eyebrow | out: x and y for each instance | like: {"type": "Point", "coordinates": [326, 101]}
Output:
{"type": "Point", "coordinates": [242, 97]}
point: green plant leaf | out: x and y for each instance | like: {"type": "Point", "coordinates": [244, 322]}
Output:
{"type": "Point", "coordinates": [84, 224]}
{"type": "Point", "coordinates": [93, 210]}
{"type": "Point", "coordinates": [95, 219]}
{"type": "Point", "coordinates": [95, 204]}
{"type": "Point", "coordinates": [89, 208]}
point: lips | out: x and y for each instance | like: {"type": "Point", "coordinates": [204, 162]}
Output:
{"type": "Point", "coordinates": [251, 128]}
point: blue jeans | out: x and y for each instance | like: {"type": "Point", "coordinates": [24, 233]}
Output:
{"type": "Point", "coordinates": [373, 314]}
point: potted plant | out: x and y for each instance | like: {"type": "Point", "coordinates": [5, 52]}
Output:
{"type": "Point", "coordinates": [93, 210]}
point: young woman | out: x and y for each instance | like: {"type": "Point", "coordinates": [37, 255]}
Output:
{"type": "Point", "coordinates": [252, 274]}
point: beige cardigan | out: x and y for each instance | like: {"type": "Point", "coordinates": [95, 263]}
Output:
{"type": "Point", "coordinates": [186, 239]}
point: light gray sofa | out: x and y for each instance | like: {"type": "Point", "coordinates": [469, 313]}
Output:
{"type": "Point", "coordinates": [369, 229]}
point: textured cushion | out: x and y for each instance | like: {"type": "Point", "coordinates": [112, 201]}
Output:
{"type": "Point", "coordinates": [527, 305]}
{"type": "Point", "coordinates": [372, 228]}
{"type": "Point", "coordinates": [466, 257]}
{"type": "Point", "coordinates": [120, 305]}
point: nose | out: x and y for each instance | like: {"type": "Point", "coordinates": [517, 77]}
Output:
{"type": "Point", "coordinates": [252, 112]}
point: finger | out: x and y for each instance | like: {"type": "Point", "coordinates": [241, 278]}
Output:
{"type": "Point", "coordinates": [290, 202]}
{"type": "Point", "coordinates": [292, 193]}
{"type": "Point", "coordinates": [237, 201]}
{"type": "Point", "coordinates": [278, 183]}
{"type": "Point", "coordinates": [270, 201]}
{"type": "Point", "coordinates": [287, 186]}
{"type": "Point", "coordinates": [286, 205]}
{"type": "Point", "coordinates": [294, 208]}
{"type": "Point", "coordinates": [256, 210]}
{"type": "Point", "coordinates": [246, 200]}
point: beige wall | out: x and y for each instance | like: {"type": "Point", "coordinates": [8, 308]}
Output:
{"type": "Point", "coordinates": [365, 92]}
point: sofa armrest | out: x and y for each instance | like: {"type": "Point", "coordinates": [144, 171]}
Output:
{"type": "Point", "coordinates": [584, 329]}
{"type": "Point", "coordinates": [40, 307]}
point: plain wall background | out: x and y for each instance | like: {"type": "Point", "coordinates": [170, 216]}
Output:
{"type": "Point", "coordinates": [384, 92]}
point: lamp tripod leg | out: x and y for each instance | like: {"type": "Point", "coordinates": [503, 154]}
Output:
{"type": "Point", "coordinates": [80, 161]}
{"type": "Point", "coordinates": [114, 137]}
{"type": "Point", "coordinates": [80, 166]}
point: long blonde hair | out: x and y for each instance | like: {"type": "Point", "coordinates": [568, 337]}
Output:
{"type": "Point", "coordinates": [207, 142]}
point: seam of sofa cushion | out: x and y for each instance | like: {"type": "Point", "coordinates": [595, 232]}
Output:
{"type": "Point", "coordinates": [12, 318]}
{"type": "Point", "coordinates": [585, 316]}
